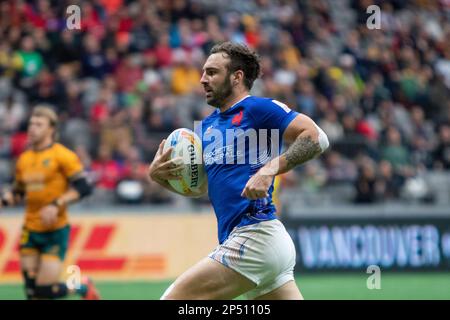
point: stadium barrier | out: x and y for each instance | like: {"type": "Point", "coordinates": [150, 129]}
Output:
{"type": "Point", "coordinates": [159, 246]}
{"type": "Point", "coordinates": [121, 246]}
{"type": "Point", "coordinates": [352, 239]}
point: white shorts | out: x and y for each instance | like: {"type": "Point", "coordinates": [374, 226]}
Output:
{"type": "Point", "coordinates": [262, 252]}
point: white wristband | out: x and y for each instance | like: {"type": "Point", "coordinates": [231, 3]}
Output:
{"type": "Point", "coordinates": [323, 139]}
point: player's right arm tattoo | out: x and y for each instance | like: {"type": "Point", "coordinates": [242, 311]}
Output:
{"type": "Point", "coordinates": [304, 148]}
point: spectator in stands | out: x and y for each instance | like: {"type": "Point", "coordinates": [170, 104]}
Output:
{"type": "Point", "coordinates": [185, 76]}
{"type": "Point", "coordinates": [441, 154]}
{"type": "Point", "coordinates": [366, 183]}
{"type": "Point", "coordinates": [105, 170]}
{"type": "Point", "coordinates": [31, 63]}
{"type": "Point", "coordinates": [394, 150]}
{"type": "Point", "coordinates": [339, 169]}
{"type": "Point", "coordinates": [388, 184]}
{"type": "Point", "coordinates": [12, 113]}
{"type": "Point", "coordinates": [332, 126]}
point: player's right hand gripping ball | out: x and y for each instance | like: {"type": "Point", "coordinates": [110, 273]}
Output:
{"type": "Point", "coordinates": [188, 147]}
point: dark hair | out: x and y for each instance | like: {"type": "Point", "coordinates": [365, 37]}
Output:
{"type": "Point", "coordinates": [241, 58]}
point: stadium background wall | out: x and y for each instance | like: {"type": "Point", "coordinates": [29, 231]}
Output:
{"type": "Point", "coordinates": [352, 244]}
{"type": "Point", "coordinates": [121, 246]}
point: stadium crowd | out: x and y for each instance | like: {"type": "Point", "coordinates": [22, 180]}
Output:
{"type": "Point", "coordinates": [131, 75]}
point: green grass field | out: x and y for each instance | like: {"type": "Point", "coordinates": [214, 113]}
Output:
{"type": "Point", "coordinates": [317, 286]}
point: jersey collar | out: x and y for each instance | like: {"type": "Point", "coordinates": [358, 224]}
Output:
{"type": "Point", "coordinates": [44, 148]}
{"type": "Point", "coordinates": [233, 106]}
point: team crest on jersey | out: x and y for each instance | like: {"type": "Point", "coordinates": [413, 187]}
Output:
{"type": "Point", "coordinates": [53, 250]}
{"type": "Point", "coordinates": [237, 119]}
{"type": "Point", "coordinates": [46, 163]}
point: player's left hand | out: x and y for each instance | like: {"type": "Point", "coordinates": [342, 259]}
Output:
{"type": "Point", "coordinates": [49, 215]}
{"type": "Point", "coordinates": [258, 186]}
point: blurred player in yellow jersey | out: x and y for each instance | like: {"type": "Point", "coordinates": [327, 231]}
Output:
{"type": "Point", "coordinates": [49, 177]}
{"type": "Point", "coordinates": [285, 179]}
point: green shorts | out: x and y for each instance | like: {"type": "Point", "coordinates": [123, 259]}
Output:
{"type": "Point", "coordinates": [52, 243]}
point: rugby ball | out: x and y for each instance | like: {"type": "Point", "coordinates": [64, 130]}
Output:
{"type": "Point", "coordinates": [188, 147]}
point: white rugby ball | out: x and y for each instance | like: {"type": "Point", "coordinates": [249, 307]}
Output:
{"type": "Point", "coordinates": [188, 146]}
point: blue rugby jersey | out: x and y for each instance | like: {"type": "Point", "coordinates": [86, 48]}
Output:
{"type": "Point", "coordinates": [231, 161]}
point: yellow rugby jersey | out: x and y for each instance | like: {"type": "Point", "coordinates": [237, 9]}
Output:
{"type": "Point", "coordinates": [45, 175]}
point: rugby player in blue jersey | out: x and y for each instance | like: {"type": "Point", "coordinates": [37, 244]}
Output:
{"type": "Point", "coordinates": [255, 255]}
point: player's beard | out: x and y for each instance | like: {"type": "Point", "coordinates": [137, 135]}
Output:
{"type": "Point", "coordinates": [221, 94]}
